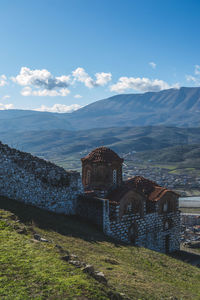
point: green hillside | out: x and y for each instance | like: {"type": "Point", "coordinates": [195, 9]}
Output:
{"type": "Point", "coordinates": [184, 156]}
{"type": "Point", "coordinates": [172, 154]}
{"type": "Point", "coordinates": [31, 269]}
{"type": "Point", "coordinates": [60, 145]}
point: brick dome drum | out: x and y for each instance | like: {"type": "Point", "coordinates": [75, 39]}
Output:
{"type": "Point", "coordinates": [101, 169]}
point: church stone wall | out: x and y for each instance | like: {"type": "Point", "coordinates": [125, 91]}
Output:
{"type": "Point", "coordinates": [148, 231]}
{"type": "Point", "coordinates": [35, 181]}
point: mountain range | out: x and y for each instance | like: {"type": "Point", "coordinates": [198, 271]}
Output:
{"type": "Point", "coordinates": [172, 107]}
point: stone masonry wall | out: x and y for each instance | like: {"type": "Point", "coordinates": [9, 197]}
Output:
{"type": "Point", "coordinates": [35, 181]}
{"type": "Point", "coordinates": [149, 229]}
{"type": "Point", "coordinates": [91, 208]}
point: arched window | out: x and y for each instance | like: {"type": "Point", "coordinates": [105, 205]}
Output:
{"type": "Point", "coordinates": [114, 176]}
{"type": "Point", "coordinates": [128, 208]}
{"type": "Point", "coordinates": [166, 225]}
{"type": "Point", "coordinates": [165, 207]}
{"type": "Point", "coordinates": [88, 176]}
{"type": "Point", "coordinates": [133, 233]}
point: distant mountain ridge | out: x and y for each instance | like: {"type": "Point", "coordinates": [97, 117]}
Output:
{"type": "Point", "coordinates": [172, 107]}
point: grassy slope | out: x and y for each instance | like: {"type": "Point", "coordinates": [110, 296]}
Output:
{"type": "Point", "coordinates": [34, 269]}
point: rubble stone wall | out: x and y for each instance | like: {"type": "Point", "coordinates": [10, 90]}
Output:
{"type": "Point", "coordinates": [190, 219]}
{"type": "Point", "coordinates": [35, 181]}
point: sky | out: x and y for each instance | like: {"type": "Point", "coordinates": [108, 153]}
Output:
{"type": "Point", "coordinates": [60, 55]}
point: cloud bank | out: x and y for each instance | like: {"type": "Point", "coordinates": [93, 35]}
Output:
{"type": "Point", "coordinates": [6, 106]}
{"type": "Point", "coordinates": [42, 83]}
{"type": "Point", "coordinates": [140, 85]}
{"type": "Point", "coordinates": [28, 91]}
{"type": "Point", "coordinates": [59, 108]}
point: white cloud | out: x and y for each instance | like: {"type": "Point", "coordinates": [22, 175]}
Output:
{"type": "Point", "coordinates": [140, 84]}
{"type": "Point", "coordinates": [196, 77]}
{"type": "Point", "coordinates": [59, 108]}
{"type": "Point", "coordinates": [3, 80]}
{"type": "Point", "coordinates": [191, 78]}
{"type": "Point", "coordinates": [27, 91]}
{"type": "Point", "coordinates": [81, 75]}
{"type": "Point", "coordinates": [31, 77]}
{"type": "Point", "coordinates": [42, 83]}
{"type": "Point", "coordinates": [40, 78]}
{"type": "Point", "coordinates": [102, 78]}
{"type": "Point", "coordinates": [77, 96]}
{"type": "Point", "coordinates": [5, 97]}
{"type": "Point", "coordinates": [152, 64]}
{"type": "Point", "coordinates": [6, 106]}
{"type": "Point", "coordinates": [197, 70]}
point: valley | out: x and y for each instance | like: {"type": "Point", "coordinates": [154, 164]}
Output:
{"type": "Point", "coordinates": [168, 155]}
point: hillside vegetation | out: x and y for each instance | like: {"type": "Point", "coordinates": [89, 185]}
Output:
{"type": "Point", "coordinates": [31, 269]}
{"type": "Point", "coordinates": [184, 155]}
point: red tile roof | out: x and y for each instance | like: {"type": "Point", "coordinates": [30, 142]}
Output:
{"type": "Point", "coordinates": [102, 154]}
{"type": "Point", "coordinates": [150, 189]}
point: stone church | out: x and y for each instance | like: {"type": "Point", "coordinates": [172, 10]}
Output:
{"type": "Point", "coordinates": [136, 211]}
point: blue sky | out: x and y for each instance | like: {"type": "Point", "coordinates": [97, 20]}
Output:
{"type": "Point", "coordinates": [58, 55]}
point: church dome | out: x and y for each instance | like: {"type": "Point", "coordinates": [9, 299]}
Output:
{"type": "Point", "coordinates": [102, 154]}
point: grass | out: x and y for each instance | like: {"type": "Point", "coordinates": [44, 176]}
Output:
{"type": "Point", "coordinates": [189, 193]}
{"type": "Point", "coordinates": [34, 270]}
{"type": "Point", "coordinates": [163, 166]}
{"type": "Point", "coordinates": [190, 210]}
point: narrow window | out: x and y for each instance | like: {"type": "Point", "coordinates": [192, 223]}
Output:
{"type": "Point", "coordinates": [165, 207]}
{"type": "Point", "coordinates": [128, 208]}
{"type": "Point", "coordinates": [166, 225]}
{"type": "Point", "coordinates": [88, 177]}
{"type": "Point", "coordinates": [114, 176]}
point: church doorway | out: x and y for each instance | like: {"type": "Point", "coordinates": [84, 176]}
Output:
{"type": "Point", "coordinates": [132, 233]}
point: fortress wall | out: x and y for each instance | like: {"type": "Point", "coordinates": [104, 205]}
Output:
{"type": "Point", "coordinates": [92, 209]}
{"type": "Point", "coordinates": [32, 180]}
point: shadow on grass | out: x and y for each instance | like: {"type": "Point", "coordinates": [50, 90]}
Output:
{"type": "Point", "coordinates": [66, 225]}
{"type": "Point", "coordinates": [72, 226]}
{"type": "Point", "coordinates": [186, 256]}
